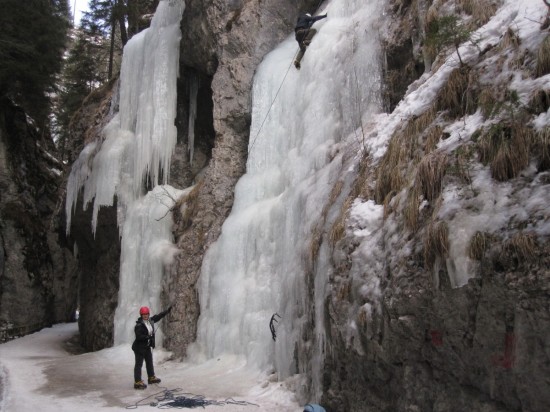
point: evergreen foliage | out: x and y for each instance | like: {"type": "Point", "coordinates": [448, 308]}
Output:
{"type": "Point", "coordinates": [32, 41]}
{"type": "Point", "coordinates": [446, 31]}
{"type": "Point", "coordinates": [84, 70]}
{"type": "Point", "coordinates": [94, 53]}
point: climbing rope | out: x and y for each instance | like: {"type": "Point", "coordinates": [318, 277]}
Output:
{"type": "Point", "coordinates": [177, 399]}
{"type": "Point", "coordinates": [271, 105]}
{"type": "Point", "coordinates": [277, 94]}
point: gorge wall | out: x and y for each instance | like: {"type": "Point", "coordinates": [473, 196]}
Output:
{"type": "Point", "coordinates": [38, 277]}
{"type": "Point", "coordinates": [421, 342]}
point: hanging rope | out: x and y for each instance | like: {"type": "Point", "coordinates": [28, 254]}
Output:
{"type": "Point", "coordinates": [278, 90]}
{"type": "Point", "coordinates": [271, 105]}
{"type": "Point", "coordinates": [177, 399]}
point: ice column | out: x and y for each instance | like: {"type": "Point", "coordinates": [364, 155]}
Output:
{"type": "Point", "coordinates": [140, 139]}
{"type": "Point", "coordinates": [137, 147]}
{"type": "Point", "coordinates": [257, 266]}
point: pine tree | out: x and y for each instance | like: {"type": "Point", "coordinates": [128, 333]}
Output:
{"type": "Point", "coordinates": [30, 53]}
{"type": "Point", "coordinates": [106, 16]}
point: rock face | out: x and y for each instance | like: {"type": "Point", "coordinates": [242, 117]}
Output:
{"type": "Point", "coordinates": [98, 257]}
{"type": "Point", "coordinates": [224, 42]}
{"type": "Point", "coordinates": [422, 344]}
{"type": "Point", "coordinates": [37, 278]}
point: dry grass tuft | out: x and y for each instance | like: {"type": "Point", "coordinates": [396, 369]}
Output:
{"type": "Point", "coordinates": [522, 245]}
{"type": "Point", "coordinates": [540, 102]}
{"type": "Point", "coordinates": [315, 244]}
{"type": "Point", "coordinates": [459, 166]}
{"type": "Point", "coordinates": [429, 176]}
{"type": "Point", "coordinates": [389, 177]}
{"type": "Point", "coordinates": [510, 40]}
{"type": "Point", "coordinates": [415, 127]}
{"type": "Point", "coordinates": [432, 138]}
{"type": "Point", "coordinates": [541, 148]}
{"type": "Point", "coordinates": [436, 243]}
{"type": "Point", "coordinates": [338, 229]}
{"type": "Point", "coordinates": [455, 96]}
{"type": "Point", "coordinates": [480, 10]}
{"type": "Point", "coordinates": [479, 243]}
{"type": "Point", "coordinates": [411, 211]}
{"type": "Point", "coordinates": [488, 102]}
{"type": "Point", "coordinates": [506, 150]}
{"type": "Point", "coordinates": [403, 148]}
{"type": "Point", "coordinates": [543, 58]}
{"type": "Point", "coordinates": [361, 187]}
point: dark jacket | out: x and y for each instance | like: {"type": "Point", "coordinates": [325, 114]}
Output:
{"type": "Point", "coordinates": [305, 22]}
{"type": "Point", "coordinates": [143, 340]}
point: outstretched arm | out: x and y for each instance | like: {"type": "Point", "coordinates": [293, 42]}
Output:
{"type": "Point", "coordinates": [160, 315]}
{"type": "Point", "coordinates": [317, 18]}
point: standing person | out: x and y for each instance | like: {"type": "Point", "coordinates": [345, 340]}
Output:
{"type": "Point", "coordinates": [145, 341]}
{"type": "Point", "coordinates": [304, 34]}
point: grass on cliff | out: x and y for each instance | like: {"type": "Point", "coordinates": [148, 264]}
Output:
{"type": "Point", "coordinates": [480, 10]}
{"type": "Point", "coordinates": [505, 148]}
{"type": "Point", "coordinates": [436, 242]}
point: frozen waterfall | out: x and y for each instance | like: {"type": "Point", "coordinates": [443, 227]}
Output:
{"type": "Point", "coordinates": [136, 150]}
{"type": "Point", "coordinates": [257, 266]}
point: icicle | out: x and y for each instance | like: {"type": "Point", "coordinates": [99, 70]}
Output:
{"type": "Point", "coordinates": [140, 140]}
{"type": "Point", "coordinates": [80, 172]}
{"type": "Point", "coordinates": [147, 248]}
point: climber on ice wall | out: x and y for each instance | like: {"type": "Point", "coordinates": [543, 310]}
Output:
{"type": "Point", "coordinates": [304, 34]}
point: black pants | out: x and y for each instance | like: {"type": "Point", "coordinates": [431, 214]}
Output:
{"type": "Point", "coordinates": [303, 37]}
{"type": "Point", "coordinates": [146, 355]}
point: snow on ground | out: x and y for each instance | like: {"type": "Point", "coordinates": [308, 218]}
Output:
{"type": "Point", "coordinates": [40, 372]}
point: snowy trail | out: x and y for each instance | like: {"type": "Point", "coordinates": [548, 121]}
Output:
{"type": "Point", "coordinates": [39, 372]}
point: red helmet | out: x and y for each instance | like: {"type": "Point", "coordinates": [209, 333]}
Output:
{"type": "Point", "coordinates": [144, 310]}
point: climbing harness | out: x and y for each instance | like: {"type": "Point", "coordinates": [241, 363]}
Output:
{"type": "Point", "coordinates": [177, 399]}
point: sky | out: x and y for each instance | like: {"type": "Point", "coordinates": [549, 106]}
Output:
{"type": "Point", "coordinates": [78, 6]}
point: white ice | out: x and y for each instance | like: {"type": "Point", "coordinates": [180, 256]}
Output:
{"type": "Point", "coordinates": [258, 264]}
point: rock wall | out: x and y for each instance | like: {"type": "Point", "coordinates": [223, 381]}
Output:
{"type": "Point", "coordinates": [425, 346]}
{"type": "Point", "coordinates": [37, 278]}
{"type": "Point", "coordinates": [222, 41]}
{"type": "Point", "coordinates": [421, 344]}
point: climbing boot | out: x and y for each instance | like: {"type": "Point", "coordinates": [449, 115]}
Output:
{"type": "Point", "coordinates": [297, 64]}
{"type": "Point", "coordinates": [153, 379]}
{"type": "Point", "coordinates": [139, 385]}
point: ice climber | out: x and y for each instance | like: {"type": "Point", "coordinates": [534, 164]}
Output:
{"type": "Point", "coordinates": [145, 341]}
{"type": "Point", "coordinates": [304, 34]}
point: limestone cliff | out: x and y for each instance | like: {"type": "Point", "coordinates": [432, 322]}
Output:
{"type": "Point", "coordinates": [37, 277]}
{"type": "Point", "coordinates": [422, 342]}
{"type": "Point", "coordinates": [223, 42]}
